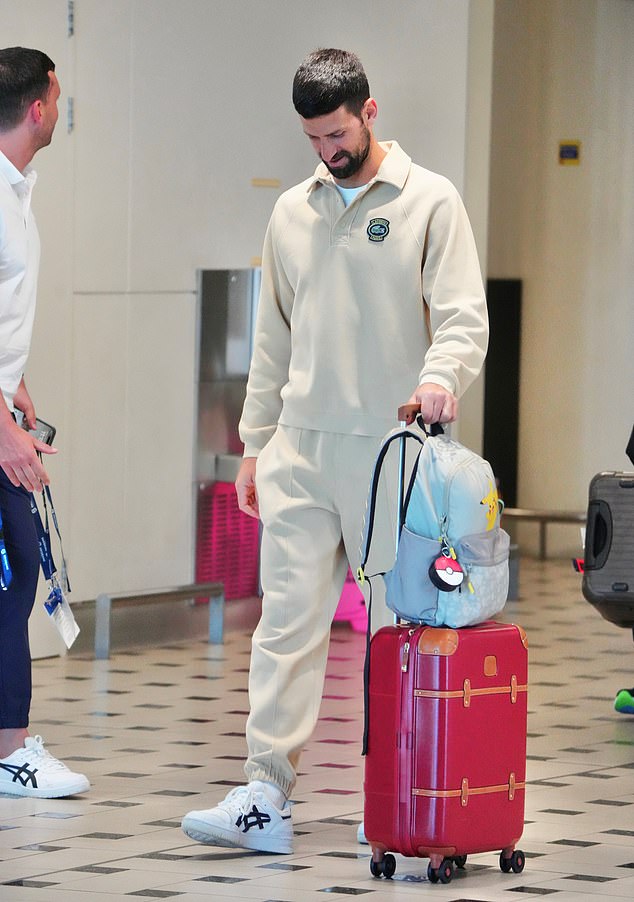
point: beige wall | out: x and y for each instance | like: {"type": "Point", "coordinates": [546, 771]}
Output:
{"type": "Point", "coordinates": [564, 69]}
{"type": "Point", "coordinates": [476, 182]}
{"type": "Point", "coordinates": [179, 104]}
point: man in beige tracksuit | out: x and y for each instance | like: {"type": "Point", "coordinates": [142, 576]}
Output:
{"type": "Point", "coordinates": [361, 262]}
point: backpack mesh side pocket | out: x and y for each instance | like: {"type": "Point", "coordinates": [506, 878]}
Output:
{"type": "Point", "coordinates": [485, 559]}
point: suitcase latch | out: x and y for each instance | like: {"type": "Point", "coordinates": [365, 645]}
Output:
{"type": "Point", "coordinates": [405, 657]}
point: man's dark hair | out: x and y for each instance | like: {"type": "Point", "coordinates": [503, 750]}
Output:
{"type": "Point", "coordinates": [327, 79]}
{"type": "Point", "coordinates": [23, 79]}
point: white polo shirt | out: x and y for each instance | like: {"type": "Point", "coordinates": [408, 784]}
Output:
{"type": "Point", "coordinates": [19, 266]}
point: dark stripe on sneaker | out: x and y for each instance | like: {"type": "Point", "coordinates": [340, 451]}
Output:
{"type": "Point", "coordinates": [21, 774]}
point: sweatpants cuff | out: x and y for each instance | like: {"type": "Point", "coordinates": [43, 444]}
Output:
{"type": "Point", "coordinates": [258, 773]}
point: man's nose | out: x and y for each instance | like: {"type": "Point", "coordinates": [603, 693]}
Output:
{"type": "Point", "coordinates": [328, 149]}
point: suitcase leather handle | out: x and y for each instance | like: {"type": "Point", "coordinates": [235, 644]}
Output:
{"type": "Point", "coordinates": [407, 413]}
{"type": "Point", "coordinates": [598, 535]}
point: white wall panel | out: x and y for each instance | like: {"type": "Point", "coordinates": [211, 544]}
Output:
{"type": "Point", "coordinates": [133, 400]}
{"type": "Point", "coordinates": [98, 545]}
{"type": "Point", "coordinates": [102, 144]}
{"type": "Point", "coordinates": [159, 440]}
{"type": "Point", "coordinates": [476, 183]}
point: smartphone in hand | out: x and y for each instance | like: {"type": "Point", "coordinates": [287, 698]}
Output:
{"type": "Point", "coordinates": [43, 431]}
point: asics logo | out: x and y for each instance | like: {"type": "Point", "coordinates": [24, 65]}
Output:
{"type": "Point", "coordinates": [22, 774]}
{"type": "Point", "coordinates": [254, 818]}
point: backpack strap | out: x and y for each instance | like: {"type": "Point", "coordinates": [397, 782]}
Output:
{"type": "Point", "coordinates": [368, 529]}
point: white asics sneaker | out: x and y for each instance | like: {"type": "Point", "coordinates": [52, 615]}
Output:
{"type": "Point", "coordinates": [32, 771]}
{"type": "Point", "coordinates": [361, 834]}
{"type": "Point", "coordinates": [245, 819]}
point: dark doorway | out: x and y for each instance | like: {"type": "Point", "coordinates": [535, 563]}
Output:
{"type": "Point", "coordinates": [502, 384]}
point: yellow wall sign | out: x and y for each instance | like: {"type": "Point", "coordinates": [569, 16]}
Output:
{"type": "Point", "coordinates": [265, 183]}
{"type": "Point", "coordinates": [569, 153]}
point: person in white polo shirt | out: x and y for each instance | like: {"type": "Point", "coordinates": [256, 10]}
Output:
{"type": "Point", "coordinates": [29, 92]}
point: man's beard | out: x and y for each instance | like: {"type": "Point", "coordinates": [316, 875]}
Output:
{"type": "Point", "coordinates": [350, 163]}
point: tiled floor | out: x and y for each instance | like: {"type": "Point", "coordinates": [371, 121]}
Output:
{"type": "Point", "coordinates": [160, 731]}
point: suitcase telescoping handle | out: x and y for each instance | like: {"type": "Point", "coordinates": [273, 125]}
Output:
{"type": "Point", "coordinates": [405, 419]}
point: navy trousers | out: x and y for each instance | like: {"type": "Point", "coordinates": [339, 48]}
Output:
{"type": "Point", "coordinates": [16, 603]}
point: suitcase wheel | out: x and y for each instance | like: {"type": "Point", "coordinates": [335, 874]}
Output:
{"type": "Point", "coordinates": [444, 873]}
{"type": "Point", "coordinates": [514, 863]}
{"type": "Point", "coordinates": [385, 867]}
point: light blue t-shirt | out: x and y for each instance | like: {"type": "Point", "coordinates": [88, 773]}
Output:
{"type": "Point", "coordinates": [349, 194]}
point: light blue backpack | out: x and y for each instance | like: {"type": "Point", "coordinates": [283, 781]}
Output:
{"type": "Point", "coordinates": [451, 566]}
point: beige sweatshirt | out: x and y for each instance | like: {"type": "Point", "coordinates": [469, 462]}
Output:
{"type": "Point", "coordinates": [341, 335]}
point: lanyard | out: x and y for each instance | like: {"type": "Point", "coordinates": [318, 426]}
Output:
{"type": "Point", "coordinates": [44, 538]}
{"type": "Point", "coordinates": [44, 542]}
{"type": "Point", "coordinates": [56, 605]}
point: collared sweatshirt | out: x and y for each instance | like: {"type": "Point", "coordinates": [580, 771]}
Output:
{"type": "Point", "coordinates": [361, 304]}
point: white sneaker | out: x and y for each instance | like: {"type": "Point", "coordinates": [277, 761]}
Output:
{"type": "Point", "coordinates": [245, 819]}
{"type": "Point", "coordinates": [32, 771]}
{"type": "Point", "coordinates": [361, 834]}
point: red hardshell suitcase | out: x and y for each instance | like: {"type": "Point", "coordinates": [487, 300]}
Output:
{"type": "Point", "coordinates": [445, 767]}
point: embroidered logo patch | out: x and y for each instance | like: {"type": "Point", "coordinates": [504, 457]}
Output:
{"type": "Point", "coordinates": [378, 229]}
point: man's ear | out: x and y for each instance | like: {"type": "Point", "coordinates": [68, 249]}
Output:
{"type": "Point", "coordinates": [34, 113]}
{"type": "Point", "coordinates": [370, 111]}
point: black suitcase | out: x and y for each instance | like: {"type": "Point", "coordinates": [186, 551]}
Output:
{"type": "Point", "coordinates": [608, 578]}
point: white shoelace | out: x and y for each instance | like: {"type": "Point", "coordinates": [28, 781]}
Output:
{"type": "Point", "coordinates": [239, 800]}
{"type": "Point", "coordinates": [35, 746]}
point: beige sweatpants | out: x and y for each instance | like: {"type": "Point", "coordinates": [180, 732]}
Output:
{"type": "Point", "coordinates": [312, 488]}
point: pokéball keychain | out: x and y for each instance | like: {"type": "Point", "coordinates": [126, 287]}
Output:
{"type": "Point", "coordinates": [446, 573]}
